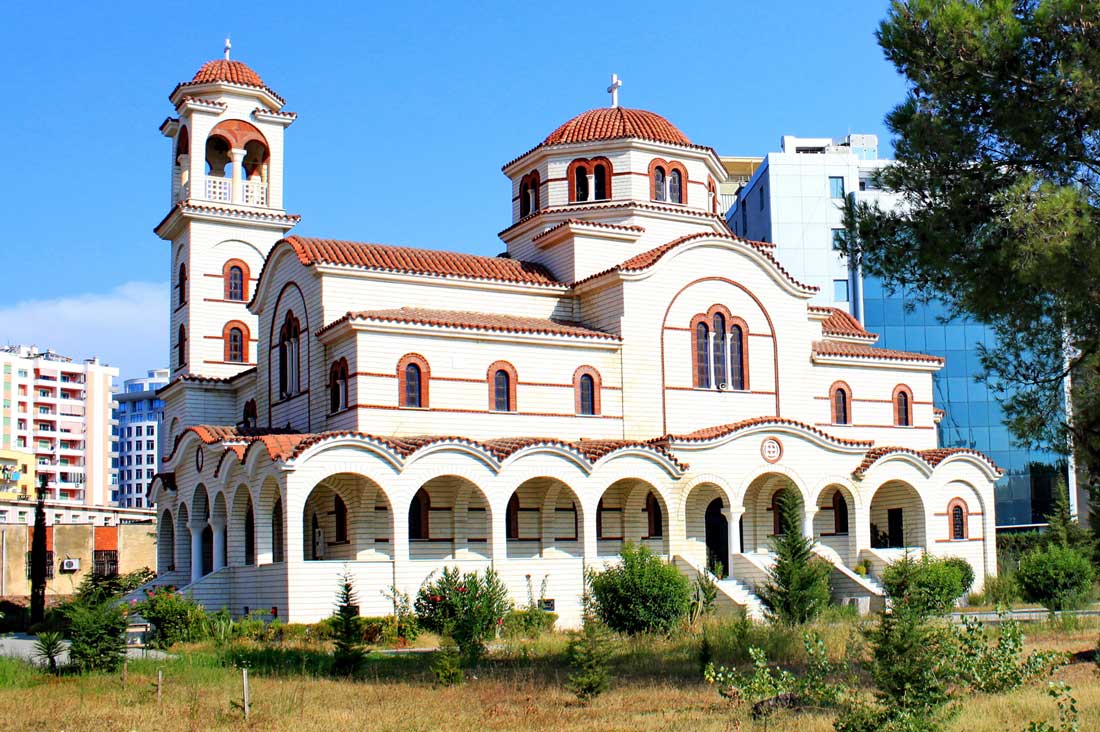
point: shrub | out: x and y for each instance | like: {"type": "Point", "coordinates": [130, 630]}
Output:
{"type": "Point", "coordinates": [97, 635]}
{"type": "Point", "coordinates": [1001, 590]}
{"type": "Point", "coordinates": [175, 619]}
{"type": "Point", "coordinates": [468, 608]}
{"type": "Point", "coordinates": [95, 589]}
{"type": "Point", "coordinates": [928, 585]}
{"type": "Point", "coordinates": [797, 589]}
{"type": "Point", "coordinates": [403, 624]}
{"type": "Point", "coordinates": [1012, 546]}
{"type": "Point", "coordinates": [447, 665]}
{"type": "Point", "coordinates": [527, 623]}
{"type": "Point", "coordinates": [589, 654]}
{"type": "Point", "coordinates": [642, 594]}
{"type": "Point", "coordinates": [996, 668]}
{"type": "Point", "coordinates": [347, 657]}
{"type": "Point", "coordinates": [1058, 577]}
{"type": "Point", "coordinates": [966, 572]}
{"type": "Point", "coordinates": [47, 647]}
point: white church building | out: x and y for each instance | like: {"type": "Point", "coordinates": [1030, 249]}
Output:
{"type": "Point", "coordinates": [628, 371]}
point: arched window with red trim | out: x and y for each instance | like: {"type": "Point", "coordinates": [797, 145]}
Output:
{"type": "Point", "coordinates": [529, 193]}
{"type": "Point", "coordinates": [903, 406]}
{"type": "Point", "coordinates": [589, 180]}
{"type": "Point", "coordinates": [502, 387]}
{"type": "Point", "coordinates": [958, 517]}
{"type": "Point", "coordinates": [338, 386]}
{"type": "Point", "coordinates": [235, 338]}
{"type": "Point", "coordinates": [719, 350]}
{"type": "Point", "coordinates": [840, 403]}
{"type": "Point", "coordinates": [586, 389]}
{"type": "Point", "coordinates": [675, 187]}
{"type": "Point", "coordinates": [701, 353]}
{"type": "Point", "coordinates": [660, 188]}
{"type": "Point", "coordinates": [600, 178]}
{"type": "Point", "coordinates": [413, 379]}
{"type": "Point", "coordinates": [235, 274]}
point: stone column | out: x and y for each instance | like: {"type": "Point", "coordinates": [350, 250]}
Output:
{"type": "Point", "coordinates": [590, 544]}
{"type": "Point", "coordinates": [196, 551]}
{"type": "Point", "coordinates": [238, 174]}
{"type": "Point", "coordinates": [219, 544]}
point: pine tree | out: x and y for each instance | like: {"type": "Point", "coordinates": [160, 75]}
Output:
{"type": "Point", "coordinates": [348, 655]}
{"type": "Point", "coordinates": [589, 655]}
{"type": "Point", "coordinates": [798, 583]}
{"type": "Point", "coordinates": [38, 556]}
{"type": "Point", "coordinates": [1065, 531]}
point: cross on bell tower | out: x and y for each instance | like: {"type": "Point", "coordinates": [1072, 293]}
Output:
{"type": "Point", "coordinates": [613, 90]}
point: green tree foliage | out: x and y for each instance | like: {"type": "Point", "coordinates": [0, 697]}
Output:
{"type": "Point", "coordinates": [48, 645]}
{"type": "Point", "coordinates": [642, 594]}
{"type": "Point", "coordinates": [997, 145]}
{"type": "Point", "coordinates": [1064, 530]}
{"type": "Point", "coordinates": [1058, 577]}
{"type": "Point", "coordinates": [96, 588]}
{"type": "Point", "coordinates": [97, 633]}
{"type": "Point", "coordinates": [347, 656]}
{"type": "Point", "coordinates": [467, 608]}
{"type": "Point", "coordinates": [928, 586]}
{"type": "Point", "coordinates": [797, 589]}
{"type": "Point", "coordinates": [175, 619]}
{"type": "Point", "coordinates": [589, 657]}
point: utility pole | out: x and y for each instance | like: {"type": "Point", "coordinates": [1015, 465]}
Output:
{"type": "Point", "coordinates": [38, 555]}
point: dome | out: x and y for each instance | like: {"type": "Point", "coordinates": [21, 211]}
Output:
{"type": "Point", "coordinates": [230, 72]}
{"type": "Point", "coordinates": [611, 123]}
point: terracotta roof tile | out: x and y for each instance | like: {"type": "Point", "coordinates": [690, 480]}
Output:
{"type": "Point", "coordinates": [387, 258]}
{"type": "Point", "coordinates": [582, 222]}
{"type": "Point", "coordinates": [611, 123]}
{"type": "Point", "coordinates": [933, 456]}
{"type": "Point", "coordinates": [618, 205]}
{"type": "Point", "coordinates": [226, 71]}
{"type": "Point", "coordinates": [188, 206]}
{"type": "Point", "coordinates": [841, 323]}
{"type": "Point", "coordinates": [712, 433]}
{"type": "Point", "coordinates": [863, 350]}
{"type": "Point", "coordinates": [475, 321]}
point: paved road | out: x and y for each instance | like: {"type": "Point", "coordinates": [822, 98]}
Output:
{"type": "Point", "coordinates": [20, 645]}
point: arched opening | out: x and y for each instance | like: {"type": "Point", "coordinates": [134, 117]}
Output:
{"type": "Point", "coordinates": [270, 546]}
{"type": "Point", "coordinates": [217, 157]}
{"type": "Point", "coordinates": [338, 386]}
{"type": "Point", "coordinates": [600, 177]}
{"type": "Point", "coordinates": [833, 517]}
{"type": "Point", "coordinates": [183, 545]}
{"type": "Point", "coordinates": [903, 406]}
{"type": "Point", "coordinates": [289, 356]}
{"type": "Point", "coordinates": [761, 521]}
{"type": "Point", "coordinates": [347, 517]}
{"type": "Point", "coordinates": [675, 187]}
{"type": "Point", "coordinates": [242, 529]}
{"type": "Point", "coordinates": [707, 527]}
{"type": "Point", "coordinates": [544, 520]}
{"type": "Point", "coordinates": [580, 183]}
{"type": "Point", "coordinates": [503, 390]}
{"type": "Point", "coordinates": [181, 347]}
{"type": "Point", "coordinates": [413, 381]}
{"type": "Point", "coordinates": [166, 543]}
{"type": "Point", "coordinates": [625, 516]}
{"type": "Point", "coordinates": [219, 523]}
{"type": "Point", "coordinates": [660, 189]}
{"type": "Point", "coordinates": [586, 397]}
{"type": "Point", "coordinates": [181, 285]}
{"type": "Point", "coordinates": [897, 517]}
{"type": "Point", "coordinates": [250, 415]}
{"type": "Point", "coordinates": [840, 403]}
{"type": "Point", "coordinates": [452, 520]}
{"type": "Point", "coordinates": [778, 527]}
{"type": "Point", "coordinates": [200, 521]}
{"type": "Point", "coordinates": [278, 537]}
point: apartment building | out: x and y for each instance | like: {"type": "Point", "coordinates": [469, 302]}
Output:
{"type": "Point", "coordinates": [138, 414]}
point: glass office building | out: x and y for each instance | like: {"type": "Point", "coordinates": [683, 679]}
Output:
{"type": "Point", "coordinates": [974, 418]}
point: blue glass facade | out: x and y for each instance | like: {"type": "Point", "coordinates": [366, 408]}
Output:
{"type": "Point", "coordinates": [974, 418]}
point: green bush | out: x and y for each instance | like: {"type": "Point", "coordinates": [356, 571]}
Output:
{"type": "Point", "coordinates": [95, 589]}
{"type": "Point", "coordinates": [966, 572]}
{"type": "Point", "coordinates": [47, 647]}
{"type": "Point", "coordinates": [1058, 577]}
{"type": "Point", "coordinates": [1012, 546]}
{"type": "Point", "coordinates": [97, 634]}
{"type": "Point", "coordinates": [589, 656]}
{"type": "Point", "coordinates": [1002, 590]}
{"type": "Point", "coordinates": [643, 594]}
{"type": "Point", "coordinates": [528, 623]}
{"type": "Point", "coordinates": [928, 585]}
{"type": "Point", "coordinates": [467, 608]}
{"type": "Point", "coordinates": [175, 619]}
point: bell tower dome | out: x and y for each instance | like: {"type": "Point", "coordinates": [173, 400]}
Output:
{"type": "Point", "coordinates": [226, 211]}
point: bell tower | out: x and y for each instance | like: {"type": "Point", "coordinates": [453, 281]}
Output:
{"type": "Point", "coordinates": [226, 212]}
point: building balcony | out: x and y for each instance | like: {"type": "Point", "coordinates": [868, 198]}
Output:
{"type": "Point", "coordinates": [250, 193]}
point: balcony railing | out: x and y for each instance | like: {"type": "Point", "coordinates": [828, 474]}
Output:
{"type": "Point", "coordinates": [253, 192]}
{"type": "Point", "coordinates": [219, 189]}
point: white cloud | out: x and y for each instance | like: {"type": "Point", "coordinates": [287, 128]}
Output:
{"type": "Point", "coordinates": [126, 327]}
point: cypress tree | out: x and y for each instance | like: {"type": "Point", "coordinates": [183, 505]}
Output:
{"type": "Point", "coordinates": [798, 583]}
{"type": "Point", "coordinates": [38, 556]}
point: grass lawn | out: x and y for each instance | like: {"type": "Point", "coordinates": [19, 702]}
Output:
{"type": "Point", "coordinates": [656, 686]}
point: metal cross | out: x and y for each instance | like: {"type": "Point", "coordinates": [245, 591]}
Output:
{"type": "Point", "coordinates": [613, 90]}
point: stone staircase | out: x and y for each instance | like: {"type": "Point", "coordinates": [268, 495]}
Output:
{"type": "Point", "coordinates": [732, 593]}
{"type": "Point", "coordinates": [848, 585]}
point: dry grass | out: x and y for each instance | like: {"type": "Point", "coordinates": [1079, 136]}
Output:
{"type": "Point", "coordinates": [656, 688]}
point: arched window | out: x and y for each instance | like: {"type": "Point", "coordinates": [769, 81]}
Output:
{"type": "Point", "coordinates": [580, 183]}
{"type": "Point", "coordinates": [413, 377]}
{"type": "Point", "coordinates": [656, 523]}
{"type": "Point", "coordinates": [840, 402]}
{"type": "Point", "coordinates": [249, 535]}
{"type": "Point", "coordinates": [702, 362]}
{"type": "Point", "coordinates": [181, 286]}
{"type": "Point", "coordinates": [675, 187]}
{"type": "Point", "coordinates": [250, 416]}
{"type": "Point", "coordinates": [599, 174]}
{"type": "Point", "coordinates": [502, 380]}
{"type": "Point", "coordinates": [778, 528]}
{"type": "Point", "coordinates": [959, 518]}
{"type": "Point", "coordinates": [587, 387]}
{"type": "Point", "coordinates": [234, 283]}
{"type": "Point", "coordinates": [181, 347]}
{"type": "Point", "coordinates": [599, 519]}
{"type": "Point", "coordinates": [502, 400]}
{"type": "Point", "coordinates": [234, 346]}
{"type": "Point", "coordinates": [718, 349]}
{"type": "Point", "coordinates": [418, 516]}
{"type": "Point", "coordinates": [840, 513]}
{"type": "Point", "coordinates": [289, 336]}
{"type": "Point", "coordinates": [278, 553]}
{"type": "Point", "coordinates": [338, 386]}
{"type": "Point", "coordinates": [737, 357]}
{"type": "Point", "coordinates": [660, 191]}
{"type": "Point", "coordinates": [903, 406]}
{"type": "Point", "coordinates": [340, 510]}
{"type": "Point", "coordinates": [529, 193]}
{"type": "Point", "coordinates": [511, 518]}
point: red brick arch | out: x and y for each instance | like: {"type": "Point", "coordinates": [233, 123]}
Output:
{"type": "Point", "coordinates": [588, 164]}
{"type": "Point", "coordinates": [425, 378]}
{"type": "Point", "coordinates": [669, 166]}
{"type": "Point", "coordinates": [898, 421]}
{"type": "Point", "coordinates": [245, 278]}
{"type": "Point", "coordinates": [490, 378]}
{"type": "Point", "coordinates": [245, 340]}
{"type": "Point", "coordinates": [951, 506]}
{"type": "Point", "coordinates": [239, 133]}
{"type": "Point", "coordinates": [838, 385]}
{"type": "Point", "coordinates": [597, 386]}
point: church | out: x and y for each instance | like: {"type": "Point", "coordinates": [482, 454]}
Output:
{"type": "Point", "coordinates": [627, 370]}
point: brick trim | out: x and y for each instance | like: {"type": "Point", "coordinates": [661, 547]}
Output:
{"type": "Point", "coordinates": [337, 375]}
{"type": "Point", "coordinates": [668, 166]}
{"type": "Point", "coordinates": [589, 166]}
{"type": "Point", "coordinates": [954, 503]}
{"type": "Point", "coordinates": [596, 388]}
{"type": "Point", "coordinates": [531, 180]}
{"type": "Point", "coordinates": [837, 385]}
{"type": "Point", "coordinates": [513, 379]}
{"type": "Point", "coordinates": [246, 278]}
{"type": "Point", "coordinates": [896, 401]}
{"type": "Point", "coordinates": [425, 379]}
{"type": "Point", "coordinates": [246, 339]}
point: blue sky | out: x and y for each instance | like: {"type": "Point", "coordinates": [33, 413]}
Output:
{"type": "Point", "coordinates": [406, 113]}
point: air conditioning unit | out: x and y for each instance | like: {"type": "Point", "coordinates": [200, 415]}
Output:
{"type": "Point", "coordinates": [70, 565]}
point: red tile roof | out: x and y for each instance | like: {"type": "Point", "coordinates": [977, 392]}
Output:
{"type": "Point", "coordinates": [712, 433]}
{"type": "Point", "coordinates": [647, 259]}
{"type": "Point", "coordinates": [841, 323]}
{"type": "Point", "coordinates": [227, 72]}
{"type": "Point", "coordinates": [612, 123]}
{"type": "Point", "coordinates": [933, 456]}
{"type": "Point", "coordinates": [862, 350]}
{"type": "Point", "coordinates": [629, 204]}
{"type": "Point", "coordinates": [475, 321]}
{"type": "Point", "coordinates": [387, 258]}
{"type": "Point", "coordinates": [582, 222]}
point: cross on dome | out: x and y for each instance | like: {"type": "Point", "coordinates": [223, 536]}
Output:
{"type": "Point", "coordinates": [228, 46]}
{"type": "Point", "coordinates": [613, 90]}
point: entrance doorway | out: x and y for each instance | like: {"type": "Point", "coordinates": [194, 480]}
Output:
{"type": "Point", "coordinates": [895, 527]}
{"type": "Point", "coordinates": [717, 538]}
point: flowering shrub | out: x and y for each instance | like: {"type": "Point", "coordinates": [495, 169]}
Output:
{"type": "Point", "coordinates": [467, 608]}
